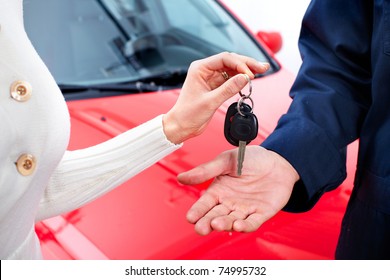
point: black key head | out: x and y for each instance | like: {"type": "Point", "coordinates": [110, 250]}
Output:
{"type": "Point", "coordinates": [232, 110]}
{"type": "Point", "coordinates": [231, 114]}
{"type": "Point", "coordinates": [244, 127]}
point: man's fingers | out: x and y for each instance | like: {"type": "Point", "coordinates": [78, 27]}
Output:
{"type": "Point", "coordinates": [201, 207]}
{"type": "Point", "coordinates": [250, 224]}
{"type": "Point", "coordinates": [204, 172]}
{"type": "Point", "coordinates": [221, 220]}
{"type": "Point", "coordinates": [197, 175]}
{"type": "Point", "coordinates": [225, 223]}
{"type": "Point", "coordinates": [203, 225]}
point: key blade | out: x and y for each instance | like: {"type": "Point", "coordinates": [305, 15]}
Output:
{"type": "Point", "coordinates": [241, 156]}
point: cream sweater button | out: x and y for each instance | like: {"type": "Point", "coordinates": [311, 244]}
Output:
{"type": "Point", "coordinates": [26, 164]}
{"type": "Point", "coordinates": [21, 91]}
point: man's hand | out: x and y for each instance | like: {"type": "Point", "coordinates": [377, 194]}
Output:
{"type": "Point", "coordinates": [242, 203]}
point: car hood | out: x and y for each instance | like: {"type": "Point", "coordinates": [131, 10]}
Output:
{"type": "Point", "coordinates": [145, 217]}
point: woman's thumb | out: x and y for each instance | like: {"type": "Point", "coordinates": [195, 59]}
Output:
{"type": "Point", "coordinates": [231, 87]}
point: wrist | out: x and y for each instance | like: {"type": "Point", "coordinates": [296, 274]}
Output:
{"type": "Point", "coordinates": [172, 129]}
{"type": "Point", "coordinates": [289, 170]}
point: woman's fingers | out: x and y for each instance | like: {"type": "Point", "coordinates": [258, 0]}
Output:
{"type": "Point", "coordinates": [234, 63]}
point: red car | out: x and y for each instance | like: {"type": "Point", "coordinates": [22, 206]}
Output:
{"type": "Point", "coordinates": [121, 63]}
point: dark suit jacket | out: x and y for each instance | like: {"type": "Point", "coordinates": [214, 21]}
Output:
{"type": "Point", "coordinates": [342, 93]}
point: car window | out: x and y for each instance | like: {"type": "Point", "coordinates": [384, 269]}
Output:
{"type": "Point", "coordinates": [207, 21]}
{"type": "Point", "coordinates": [91, 42]}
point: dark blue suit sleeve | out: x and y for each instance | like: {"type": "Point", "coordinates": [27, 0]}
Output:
{"type": "Point", "coordinates": [331, 96]}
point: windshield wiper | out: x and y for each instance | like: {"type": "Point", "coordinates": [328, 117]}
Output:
{"type": "Point", "coordinates": [167, 80]}
{"type": "Point", "coordinates": [75, 91]}
{"type": "Point", "coordinates": [170, 78]}
{"type": "Point", "coordinates": [133, 88]}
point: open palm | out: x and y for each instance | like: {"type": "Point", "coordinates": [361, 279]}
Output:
{"type": "Point", "coordinates": [244, 203]}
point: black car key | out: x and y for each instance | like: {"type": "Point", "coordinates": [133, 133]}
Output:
{"type": "Point", "coordinates": [241, 127]}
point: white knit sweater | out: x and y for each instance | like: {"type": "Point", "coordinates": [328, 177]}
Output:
{"type": "Point", "coordinates": [59, 180]}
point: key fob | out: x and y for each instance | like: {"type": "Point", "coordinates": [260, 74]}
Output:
{"type": "Point", "coordinates": [244, 128]}
{"type": "Point", "coordinates": [231, 112]}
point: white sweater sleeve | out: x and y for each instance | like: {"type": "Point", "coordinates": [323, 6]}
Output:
{"type": "Point", "coordinates": [84, 175]}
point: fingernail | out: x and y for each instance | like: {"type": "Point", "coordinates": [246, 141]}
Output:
{"type": "Point", "coordinates": [248, 76]}
{"type": "Point", "coordinates": [242, 82]}
{"type": "Point", "coordinates": [265, 65]}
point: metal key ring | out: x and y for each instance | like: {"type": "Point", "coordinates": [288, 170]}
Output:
{"type": "Point", "coordinates": [240, 101]}
{"type": "Point", "coordinates": [250, 87]}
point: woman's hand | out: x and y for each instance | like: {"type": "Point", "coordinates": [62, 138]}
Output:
{"type": "Point", "coordinates": [205, 89]}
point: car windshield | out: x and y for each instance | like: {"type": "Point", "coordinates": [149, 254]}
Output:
{"type": "Point", "coordinates": [94, 42]}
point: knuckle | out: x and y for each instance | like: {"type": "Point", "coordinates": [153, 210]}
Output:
{"type": "Point", "coordinates": [225, 53]}
{"type": "Point", "coordinates": [195, 65]}
{"type": "Point", "coordinates": [232, 87]}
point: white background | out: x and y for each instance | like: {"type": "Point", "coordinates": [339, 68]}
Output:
{"type": "Point", "coordinates": [284, 16]}
{"type": "Point", "coordinates": [115, 269]}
